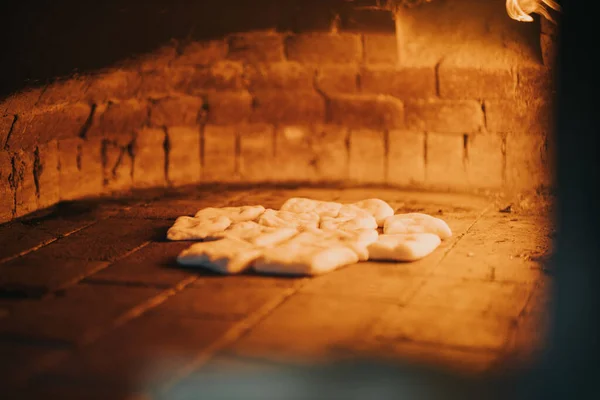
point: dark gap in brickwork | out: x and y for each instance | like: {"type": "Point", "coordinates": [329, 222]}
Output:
{"type": "Point", "coordinates": [322, 94]}
{"type": "Point", "coordinates": [10, 131]}
{"type": "Point", "coordinates": [167, 150]}
{"type": "Point", "coordinates": [386, 153]}
{"type": "Point", "coordinates": [79, 156]}
{"type": "Point", "coordinates": [274, 141]}
{"type": "Point", "coordinates": [484, 114]}
{"type": "Point", "coordinates": [104, 160]}
{"type": "Point", "coordinates": [336, 23]}
{"type": "Point", "coordinates": [363, 49]}
{"type": "Point", "coordinates": [202, 148]}
{"type": "Point", "coordinates": [348, 144]}
{"type": "Point", "coordinates": [437, 77]}
{"type": "Point", "coordinates": [37, 171]}
{"type": "Point", "coordinates": [12, 180]}
{"type": "Point", "coordinates": [503, 150]}
{"type": "Point", "coordinates": [88, 122]}
{"type": "Point", "coordinates": [425, 153]}
{"type": "Point", "coordinates": [131, 152]}
{"type": "Point", "coordinates": [465, 150]}
{"type": "Point", "coordinates": [238, 153]}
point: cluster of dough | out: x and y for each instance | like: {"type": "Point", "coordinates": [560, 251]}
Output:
{"type": "Point", "coordinates": [304, 237]}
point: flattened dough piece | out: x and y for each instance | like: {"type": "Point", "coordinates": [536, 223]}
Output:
{"type": "Point", "coordinates": [256, 233]}
{"type": "Point", "coordinates": [403, 247]}
{"type": "Point", "coordinates": [417, 223]}
{"type": "Point", "coordinates": [350, 218]}
{"type": "Point", "coordinates": [188, 228]}
{"type": "Point", "coordinates": [235, 214]}
{"type": "Point", "coordinates": [377, 208]}
{"type": "Point", "coordinates": [225, 256]}
{"type": "Point", "coordinates": [288, 219]}
{"type": "Point", "coordinates": [304, 259]}
{"type": "Point", "coordinates": [358, 240]}
{"type": "Point", "coordinates": [304, 205]}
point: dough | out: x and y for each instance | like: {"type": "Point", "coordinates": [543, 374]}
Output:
{"type": "Point", "coordinates": [404, 246]}
{"type": "Point", "coordinates": [188, 228]}
{"type": "Point", "coordinates": [303, 205]}
{"type": "Point", "coordinates": [287, 219]}
{"type": "Point", "coordinates": [255, 233]}
{"type": "Point", "coordinates": [225, 256]}
{"type": "Point", "coordinates": [417, 223]}
{"type": "Point", "coordinates": [304, 259]}
{"type": "Point", "coordinates": [235, 214]}
{"type": "Point", "coordinates": [377, 208]}
{"type": "Point", "coordinates": [349, 218]}
{"type": "Point", "coordinates": [358, 241]}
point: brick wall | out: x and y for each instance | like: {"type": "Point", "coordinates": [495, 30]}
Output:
{"type": "Point", "coordinates": [433, 99]}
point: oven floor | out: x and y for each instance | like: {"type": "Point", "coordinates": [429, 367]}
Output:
{"type": "Point", "coordinates": [91, 300]}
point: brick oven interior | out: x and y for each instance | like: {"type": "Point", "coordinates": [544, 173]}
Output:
{"type": "Point", "coordinates": [118, 118]}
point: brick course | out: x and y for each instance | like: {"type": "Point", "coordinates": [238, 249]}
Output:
{"type": "Point", "coordinates": [87, 134]}
{"type": "Point", "coordinates": [466, 82]}
{"type": "Point", "coordinates": [319, 48]}
{"type": "Point", "coordinates": [181, 110]}
{"type": "Point", "coordinates": [406, 158]}
{"type": "Point", "coordinates": [366, 111]}
{"type": "Point", "coordinates": [24, 183]}
{"type": "Point", "coordinates": [367, 156]}
{"type": "Point", "coordinates": [444, 116]}
{"type": "Point", "coordinates": [184, 155]}
{"type": "Point", "coordinates": [337, 79]}
{"type": "Point", "coordinates": [119, 120]}
{"type": "Point", "coordinates": [48, 124]}
{"type": "Point", "coordinates": [256, 47]}
{"type": "Point", "coordinates": [288, 107]}
{"type": "Point", "coordinates": [219, 153]}
{"type": "Point", "coordinates": [403, 83]}
{"type": "Point", "coordinates": [48, 174]}
{"type": "Point", "coordinates": [7, 196]}
{"type": "Point", "coordinates": [149, 158]}
{"type": "Point", "coordinates": [279, 75]}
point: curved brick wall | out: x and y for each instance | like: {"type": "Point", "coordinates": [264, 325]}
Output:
{"type": "Point", "coordinates": [347, 96]}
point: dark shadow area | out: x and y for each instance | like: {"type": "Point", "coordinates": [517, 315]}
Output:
{"type": "Point", "coordinates": [45, 39]}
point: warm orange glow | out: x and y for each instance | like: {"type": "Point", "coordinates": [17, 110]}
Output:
{"type": "Point", "coordinates": [521, 10]}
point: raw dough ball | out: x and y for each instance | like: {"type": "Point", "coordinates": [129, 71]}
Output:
{"type": "Point", "coordinates": [377, 208]}
{"type": "Point", "coordinates": [403, 247]}
{"type": "Point", "coordinates": [417, 223]}
{"type": "Point", "coordinates": [287, 219]}
{"type": "Point", "coordinates": [226, 256]}
{"type": "Point", "coordinates": [235, 214]}
{"type": "Point", "coordinates": [188, 228]}
{"type": "Point", "coordinates": [303, 205]}
{"type": "Point", "coordinates": [304, 259]}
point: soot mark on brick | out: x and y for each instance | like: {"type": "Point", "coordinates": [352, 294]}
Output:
{"type": "Point", "coordinates": [79, 156]}
{"type": "Point", "coordinates": [321, 93]}
{"type": "Point", "coordinates": [88, 122]}
{"type": "Point", "coordinates": [503, 150]}
{"type": "Point", "coordinates": [437, 77]}
{"type": "Point", "coordinates": [425, 138]}
{"type": "Point", "coordinates": [484, 114]}
{"type": "Point", "coordinates": [37, 171]}
{"type": "Point", "coordinates": [10, 131]}
{"type": "Point", "coordinates": [386, 152]}
{"type": "Point", "coordinates": [167, 150]}
{"type": "Point", "coordinates": [131, 152]}
{"type": "Point", "coordinates": [465, 150]}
